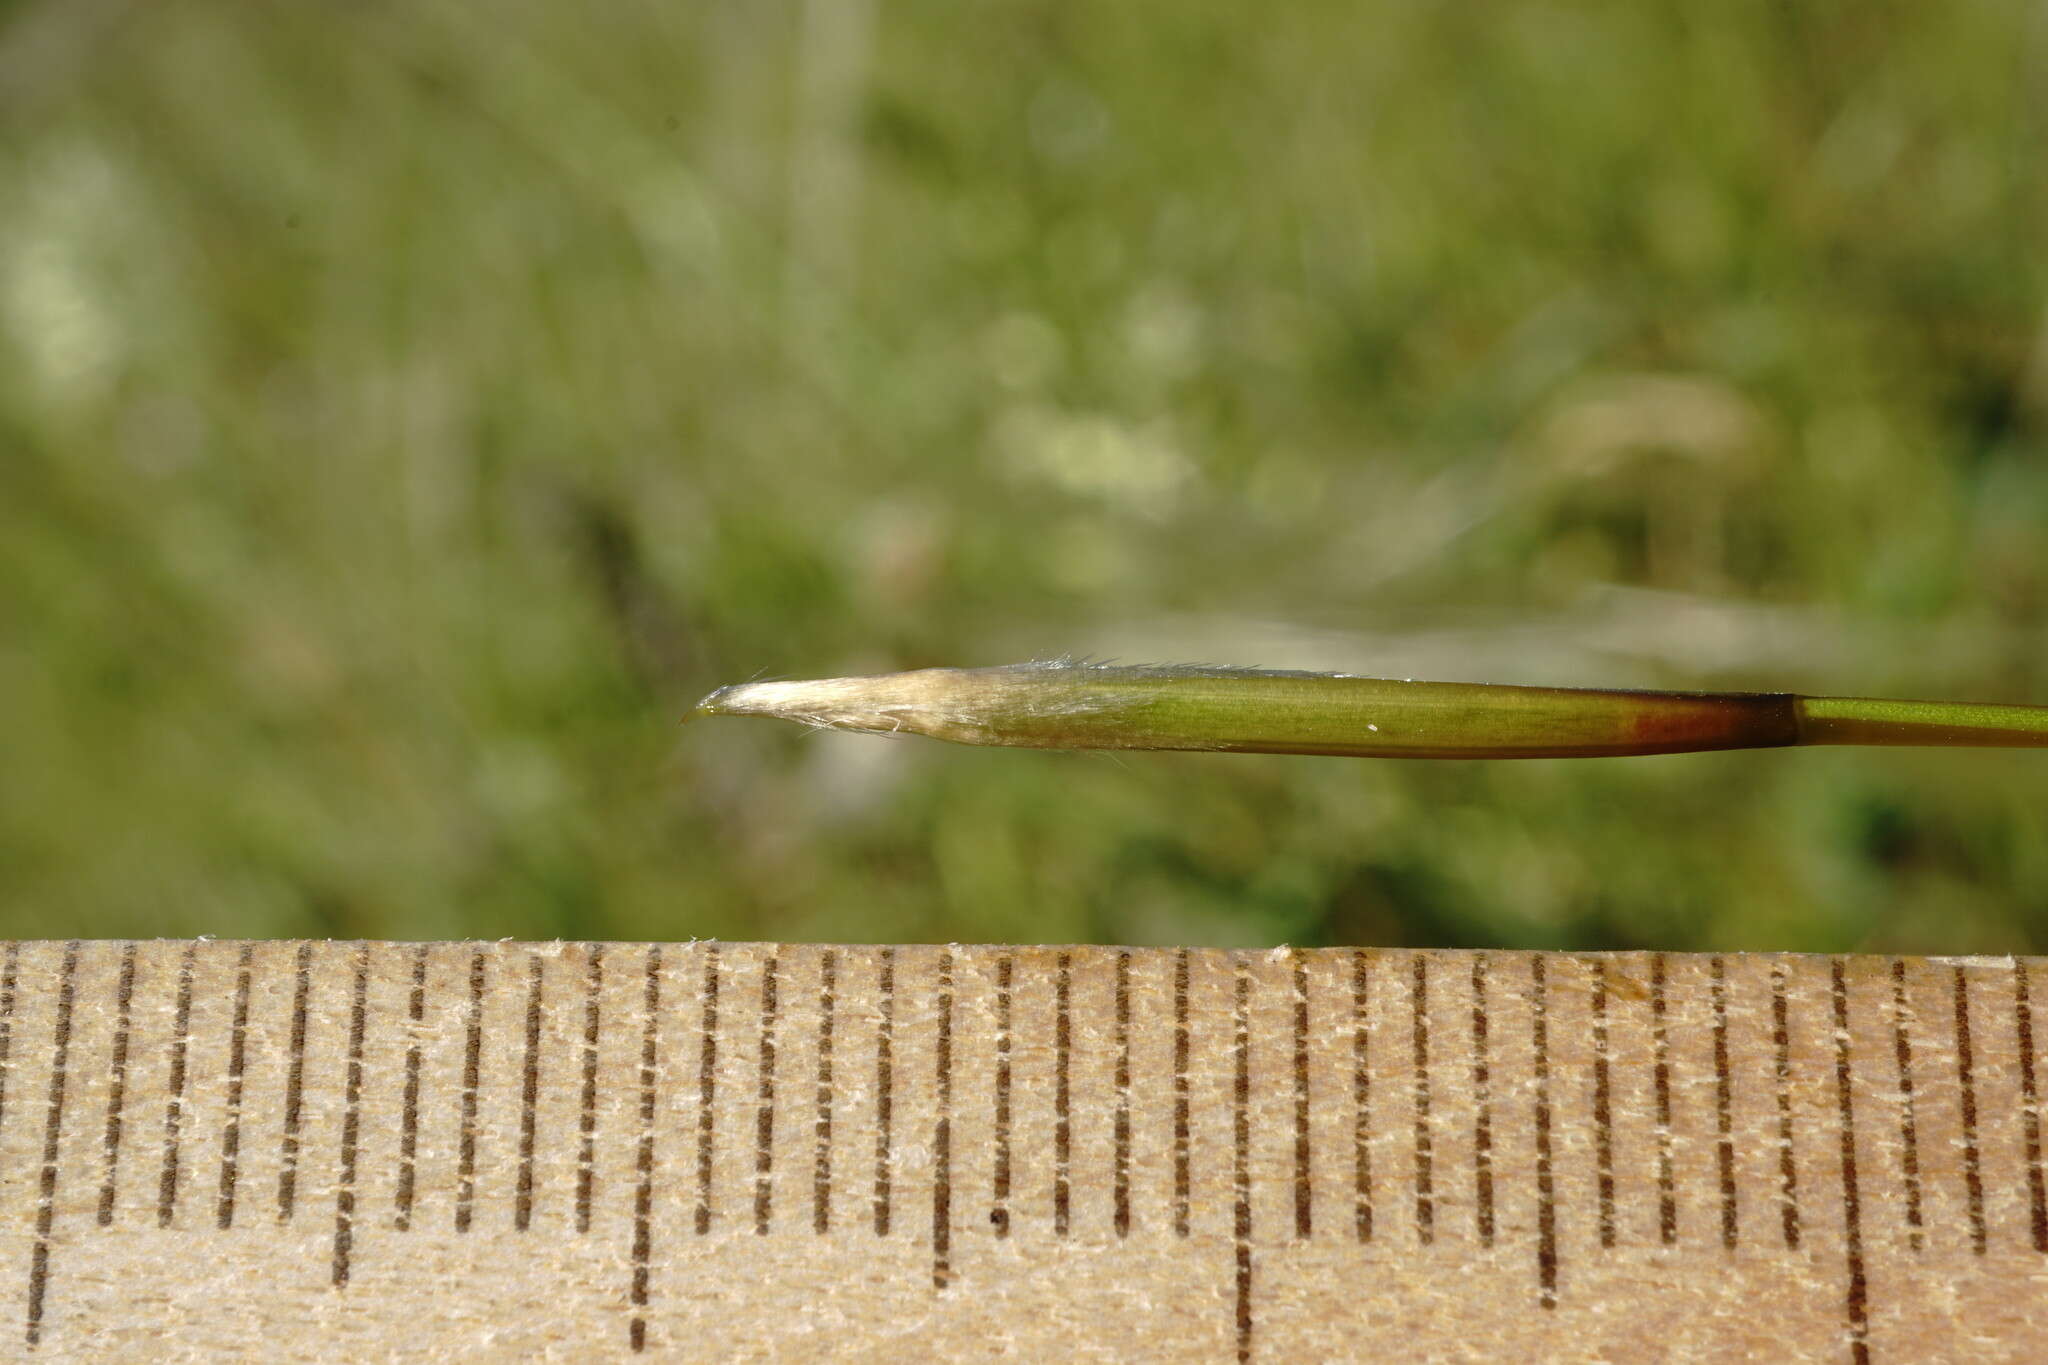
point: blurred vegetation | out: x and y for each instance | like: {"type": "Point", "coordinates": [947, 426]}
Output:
{"type": "Point", "coordinates": [408, 410]}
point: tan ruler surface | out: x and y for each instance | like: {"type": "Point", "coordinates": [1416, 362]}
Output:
{"type": "Point", "coordinates": [743, 1151]}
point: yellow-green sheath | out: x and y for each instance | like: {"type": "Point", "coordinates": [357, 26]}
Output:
{"type": "Point", "coordinates": [1067, 705]}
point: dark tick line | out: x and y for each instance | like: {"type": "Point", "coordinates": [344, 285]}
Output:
{"type": "Point", "coordinates": [885, 1097]}
{"type": "Point", "coordinates": [294, 1096]}
{"type": "Point", "coordinates": [1966, 1075]}
{"type": "Point", "coordinates": [9, 974]}
{"type": "Point", "coordinates": [1183, 1124]}
{"type": "Point", "coordinates": [1546, 1184]}
{"type": "Point", "coordinates": [1482, 1124]}
{"type": "Point", "coordinates": [1304, 1172]}
{"type": "Point", "coordinates": [707, 1086]}
{"type": "Point", "coordinates": [238, 1068]}
{"type": "Point", "coordinates": [409, 1108]}
{"type": "Point", "coordinates": [1425, 1158]}
{"type": "Point", "coordinates": [999, 1215]}
{"type": "Point", "coordinates": [472, 1079]}
{"type": "Point", "coordinates": [643, 1190]}
{"type": "Point", "coordinates": [2030, 1106]}
{"type": "Point", "coordinates": [529, 1096]}
{"type": "Point", "coordinates": [586, 1151]}
{"type": "Point", "coordinates": [821, 1128]}
{"type": "Point", "coordinates": [1361, 1096]}
{"type": "Point", "coordinates": [1724, 1106]}
{"type": "Point", "coordinates": [1062, 1097]}
{"type": "Point", "coordinates": [174, 1102]}
{"type": "Point", "coordinates": [1909, 1133]}
{"type": "Point", "coordinates": [117, 1083]}
{"type": "Point", "coordinates": [1667, 1180]}
{"type": "Point", "coordinates": [1788, 1170]}
{"type": "Point", "coordinates": [1240, 1166]}
{"type": "Point", "coordinates": [53, 1133]}
{"type": "Point", "coordinates": [1122, 1160]}
{"type": "Point", "coordinates": [1603, 1105]}
{"type": "Point", "coordinates": [351, 1123]}
{"type": "Point", "coordinates": [942, 1135]}
{"type": "Point", "coordinates": [764, 1102]}
{"type": "Point", "coordinates": [1858, 1304]}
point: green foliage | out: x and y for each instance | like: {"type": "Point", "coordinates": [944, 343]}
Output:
{"type": "Point", "coordinates": [407, 412]}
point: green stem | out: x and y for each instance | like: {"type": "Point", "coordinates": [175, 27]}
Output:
{"type": "Point", "coordinates": [1062, 705]}
{"type": "Point", "coordinates": [1869, 720]}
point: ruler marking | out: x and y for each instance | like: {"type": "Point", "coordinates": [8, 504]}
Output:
{"type": "Point", "coordinates": [2030, 1105]}
{"type": "Point", "coordinates": [643, 1190]}
{"type": "Point", "coordinates": [942, 1135]}
{"type": "Point", "coordinates": [1546, 1184]}
{"type": "Point", "coordinates": [294, 1095]}
{"type": "Point", "coordinates": [238, 1068]}
{"type": "Point", "coordinates": [174, 1102]}
{"type": "Point", "coordinates": [1858, 1305]}
{"type": "Point", "coordinates": [1122, 1171]}
{"type": "Point", "coordinates": [1660, 1073]}
{"type": "Point", "coordinates": [1304, 1169]}
{"type": "Point", "coordinates": [1724, 1105]}
{"type": "Point", "coordinates": [1909, 1133]}
{"type": "Point", "coordinates": [764, 1103]}
{"type": "Point", "coordinates": [1425, 1195]}
{"type": "Point", "coordinates": [94, 1166]}
{"type": "Point", "coordinates": [1361, 1097]}
{"type": "Point", "coordinates": [885, 1099]}
{"type": "Point", "coordinates": [1482, 1123]}
{"type": "Point", "coordinates": [1240, 1164]}
{"type": "Point", "coordinates": [351, 1121]}
{"type": "Point", "coordinates": [53, 1133]}
{"type": "Point", "coordinates": [707, 1086]}
{"type": "Point", "coordinates": [586, 1152]}
{"type": "Point", "coordinates": [409, 1107]}
{"type": "Point", "coordinates": [1966, 1076]}
{"type": "Point", "coordinates": [117, 1083]}
{"type": "Point", "coordinates": [9, 972]}
{"type": "Point", "coordinates": [224, 1212]}
{"type": "Point", "coordinates": [1788, 1169]}
{"type": "Point", "coordinates": [529, 1095]}
{"type": "Point", "coordinates": [1062, 1097]}
{"type": "Point", "coordinates": [821, 1127]}
{"type": "Point", "coordinates": [999, 1216]}
{"type": "Point", "coordinates": [1603, 1105]}
{"type": "Point", "coordinates": [1183, 1124]}
{"type": "Point", "coordinates": [472, 1078]}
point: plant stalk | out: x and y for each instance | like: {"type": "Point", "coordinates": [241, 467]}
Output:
{"type": "Point", "coordinates": [1063, 704]}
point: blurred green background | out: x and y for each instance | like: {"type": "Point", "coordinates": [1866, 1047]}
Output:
{"type": "Point", "coordinates": [408, 410]}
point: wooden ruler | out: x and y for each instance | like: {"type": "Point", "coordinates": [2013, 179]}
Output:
{"type": "Point", "coordinates": [743, 1151]}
